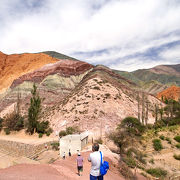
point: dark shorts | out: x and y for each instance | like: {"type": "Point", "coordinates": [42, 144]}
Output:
{"type": "Point", "coordinates": [80, 168]}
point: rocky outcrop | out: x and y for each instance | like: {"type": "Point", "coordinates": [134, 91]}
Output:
{"type": "Point", "coordinates": [16, 65]}
{"type": "Point", "coordinates": [172, 92]}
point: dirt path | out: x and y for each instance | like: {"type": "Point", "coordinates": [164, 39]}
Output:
{"type": "Point", "coordinates": [68, 168]}
{"type": "Point", "coordinates": [61, 169]}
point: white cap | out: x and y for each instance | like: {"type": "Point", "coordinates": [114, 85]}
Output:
{"type": "Point", "coordinates": [79, 153]}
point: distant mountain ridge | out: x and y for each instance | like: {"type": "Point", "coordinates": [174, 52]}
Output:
{"type": "Point", "coordinates": [167, 69]}
{"type": "Point", "coordinates": [172, 92]}
{"type": "Point", "coordinates": [162, 73]}
{"type": "Point", "coordinates": [160, 77]}
{"type": "Point", "coordinates": [57, 55]}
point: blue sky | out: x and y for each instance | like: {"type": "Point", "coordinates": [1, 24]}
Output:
{"type": "Point", "coordinates": [121, 34]}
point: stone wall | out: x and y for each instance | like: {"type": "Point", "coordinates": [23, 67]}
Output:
{"type": "Point", "coordinates": [22, 149]}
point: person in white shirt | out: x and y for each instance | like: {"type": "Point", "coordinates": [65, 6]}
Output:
{"type": "Point", "coordinates": [95, 159]}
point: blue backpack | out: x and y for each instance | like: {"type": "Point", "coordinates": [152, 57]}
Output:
{"type": "Point", "coordinates": [104, 166]}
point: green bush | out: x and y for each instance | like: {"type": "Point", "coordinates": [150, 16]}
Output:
{"type": "Point", "coordinates": [149, 126]}
{"type": "Point", "coordinates": [178, 146]}
{"type": "Point", "coordinates": [99, 141]}
{"type": "Point", "coordinates": [62, 133]}
{"type": "Point", "coordinates": [1, 123]}
{"type": "Point", "coordinates": [177, 138]}
{"type": "Point", "coordinates": [96, 87]}
{"type": "Point", "coordinates": [69, 130]}
{"type": "Point", "coordinates": [13, 121]}
{"type": "Point", "coordinates": [72, 130]}
{"type": "Point", "coordinates": [173, 128]}
{"type": "Point", "coordinates": [151, 161]}
{"type": "Point", "coordinates": [168, 140]}
{"type": "Point", "coordinates": [159, 124]}
{"type": "Point", "coordinates": [174, 121]}
{"type": "Point", "coordinates": [130, 162]}
{"type": "Point", "coordinates": [140, 157]}
{"type": "Point", "coordinates": [40, 135]}
{"type": "Point", "coordinates": [20, 124]}
{"type": "Point", "coordinates": [157, 144]}
{"type": "Point", "coordinates": [162, 137]}
{"type": "Point", "coordinates": [177, 157]}
{"type": "Point", "coordinates": [157, 172]}
{"type": "Point", "coordinates": [126, 171]}
{"type": "Point", "coordinates": [132, 125]}
{"type": "Point", "coordinates": [49, 131]}
{"type": "Point", "coordinates": [156, 132]}
{"type": "Point", "coordinates": [55, 146]}
{"type": "Point", "coordinates": [42, 127]}
{"type": "Point", "coordinates": [7, 131]}
{"type": "Point", "coordinates": [132, 152]}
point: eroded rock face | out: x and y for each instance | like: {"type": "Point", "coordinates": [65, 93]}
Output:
{"type": "Point", "coordinates": [64, 68]}
{"type": "Point", "coordinates": [54, 81]}
{"type": "Point", "coordinates": [16, 65]}
{"type": "Point", "coordinates": [98, 105]}
{"type": "Point", "coordinates": [77, 93]}
{"type": "Point", "coordinates": [172, 92]}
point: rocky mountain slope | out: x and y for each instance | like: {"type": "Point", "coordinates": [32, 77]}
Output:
{"type": "Point", "coordinates": [156, 79]}
{"type": "Point", "coordinates": [13, 66]}
{"type": "Point", "coordinates": [98, 103]}
{"type": "Point", "coordinates": [74, 92]}
{"type": "Point", "coordinates": [148, 75]}
{"type": "Point", "coordinates": [172, 92]}
{"type": "Point", "coordinates": [54, 81]}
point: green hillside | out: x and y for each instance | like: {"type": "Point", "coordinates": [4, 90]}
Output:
{"type": "Point", "coordinates": [146, 75]}
{"type": "Point", "coordinates": [129, 76]}
{"type": "Point", "coordinates": [58, 55]}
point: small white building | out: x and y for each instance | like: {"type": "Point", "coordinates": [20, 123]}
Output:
{"type": "Point", "coordinates": [73, 143]}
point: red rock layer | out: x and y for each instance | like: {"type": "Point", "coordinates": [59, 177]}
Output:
{"type": "Point", "coordinates": [172, 92]}
{"type": "Point", "coordinates": [16, 65]}
{"type": "Point", "coordinates": [64, 68]}
{"type": "Point", "coordinates": [166, 69]}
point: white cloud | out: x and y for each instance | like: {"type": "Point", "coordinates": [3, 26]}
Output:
{"type": "Point", "coordinates": [173, 54]}
{"type": "Point", "coordinates": [123, 27]}
{"type": "Point", "coordinates": [137, 63]}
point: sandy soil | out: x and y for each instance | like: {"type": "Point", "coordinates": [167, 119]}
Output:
{"type": "Point", "coordinates": [59, 170]}
{"type": "Point", "coordinates": [25, 138]}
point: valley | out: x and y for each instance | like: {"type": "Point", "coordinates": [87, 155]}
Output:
{"type": "Point", "coordinates": [75, 94]}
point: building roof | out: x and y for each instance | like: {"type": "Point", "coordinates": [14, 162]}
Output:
{"type": "Point", "coordinates": [82, 135]}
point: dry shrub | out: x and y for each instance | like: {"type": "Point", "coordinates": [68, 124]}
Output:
{"type": "Point", "coordinates": [126, 171]}
{"type": "Point", "coordinates": [13, 122]}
